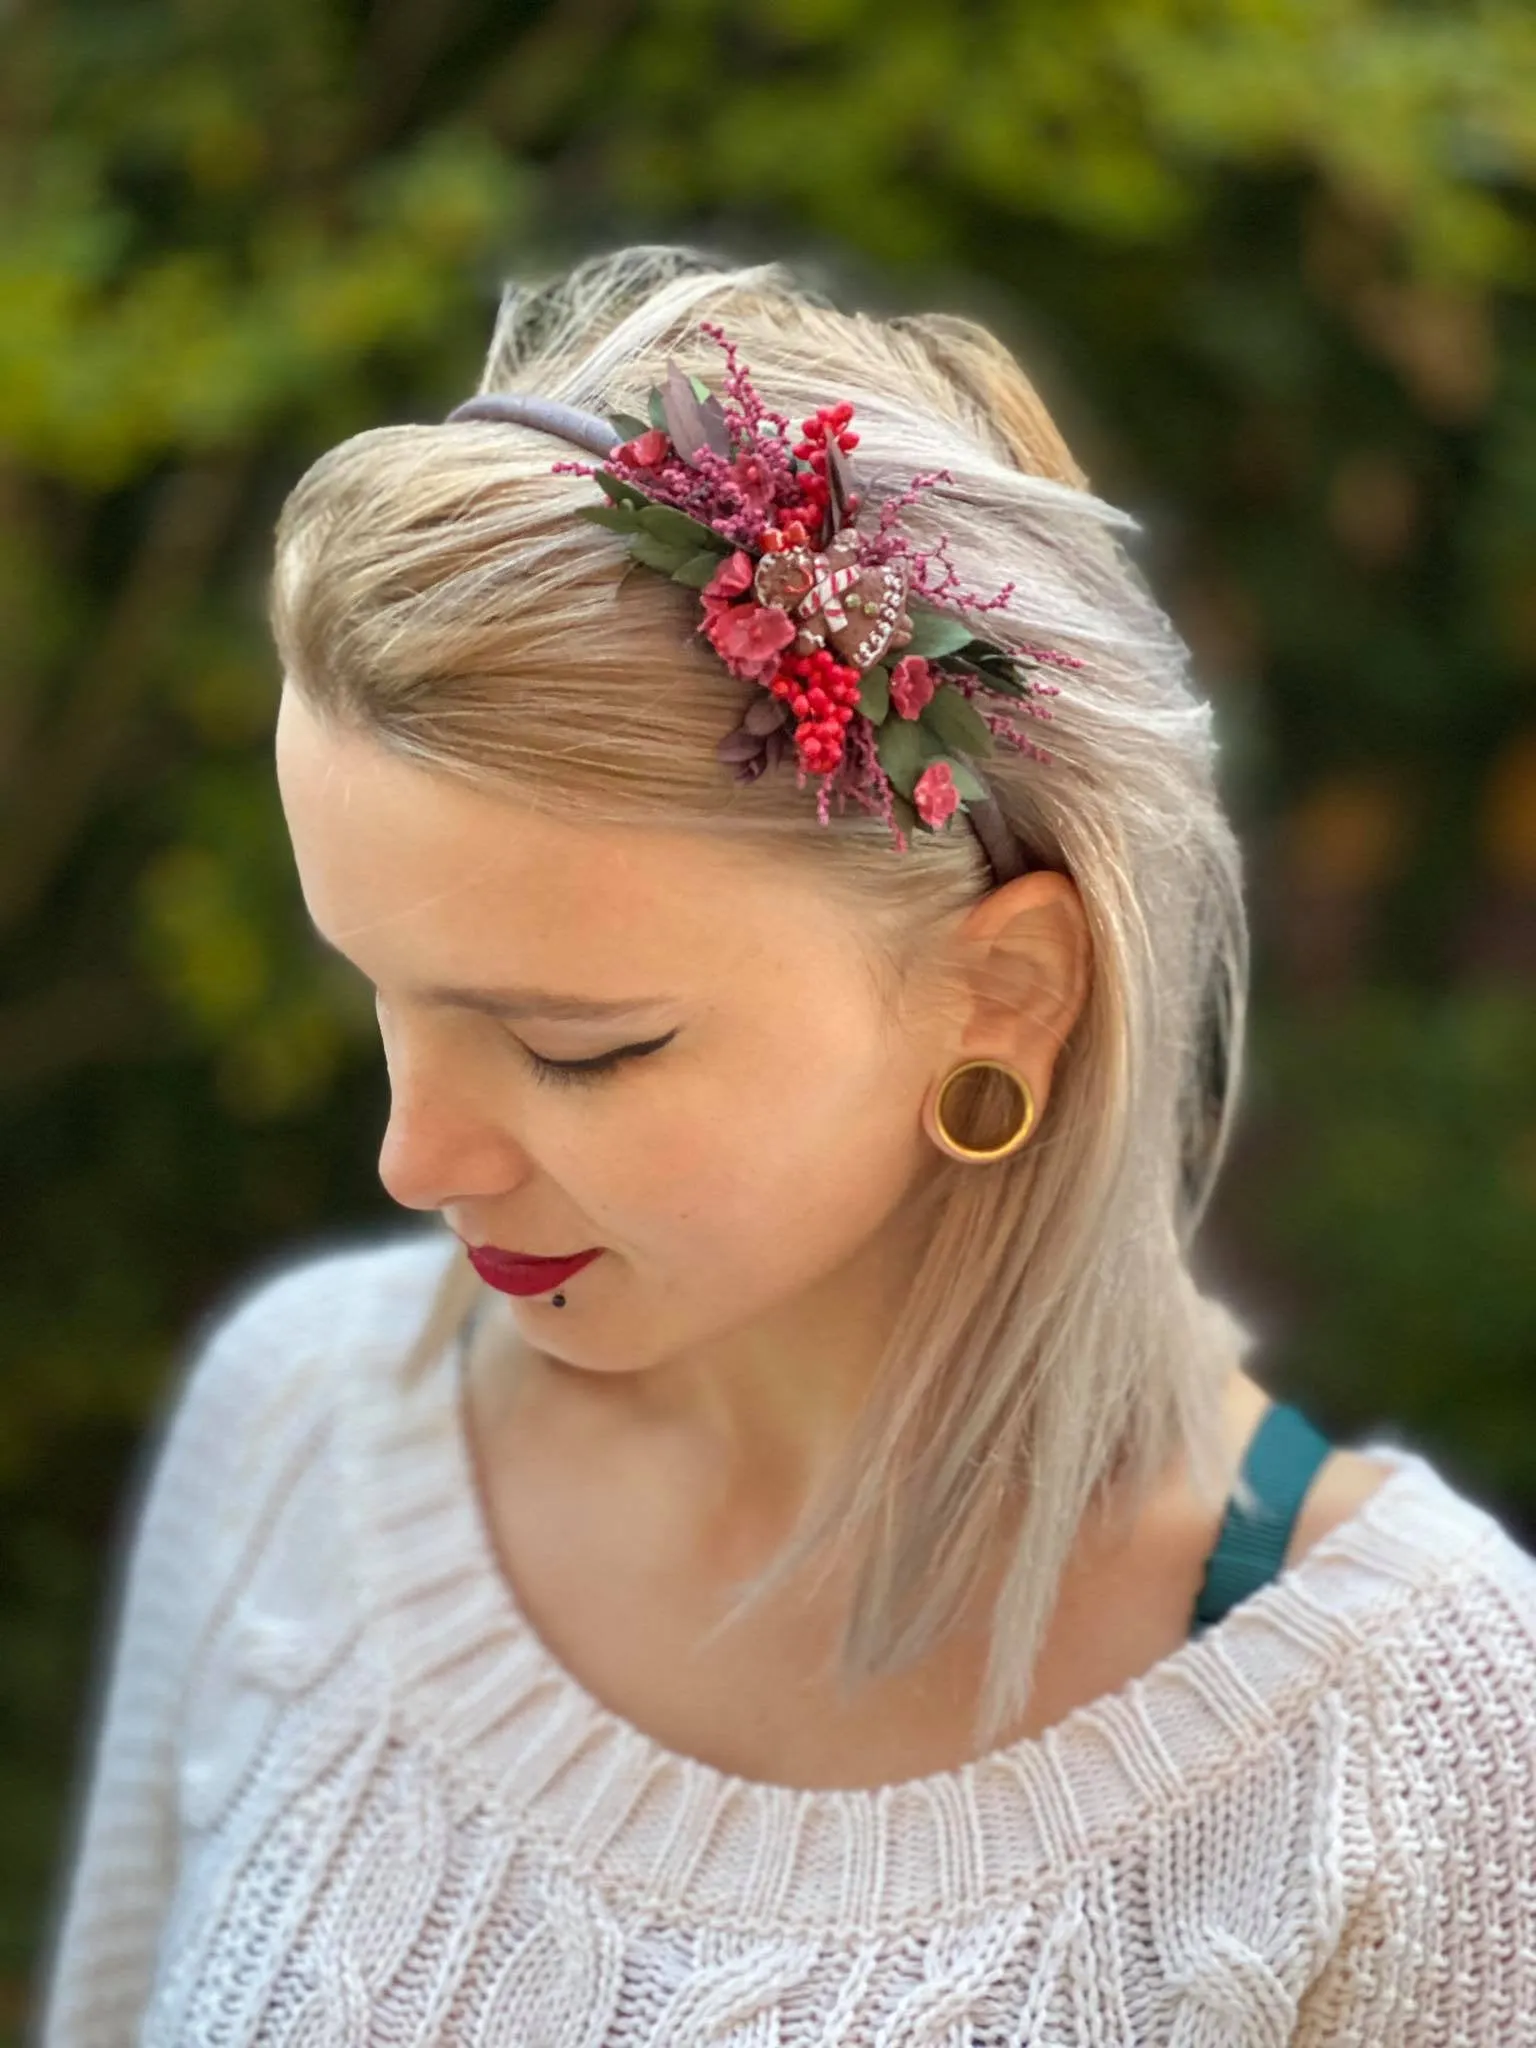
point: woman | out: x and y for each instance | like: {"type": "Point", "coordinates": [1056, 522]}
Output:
{"type": "Point", "coordinates": [797, 1559]}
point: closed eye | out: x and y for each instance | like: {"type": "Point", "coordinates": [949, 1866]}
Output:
{"type": "Point", "coordinates": [566, 1072]}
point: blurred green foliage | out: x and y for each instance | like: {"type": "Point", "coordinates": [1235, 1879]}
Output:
{"type": "Point", "coordinates": [1272, 262]}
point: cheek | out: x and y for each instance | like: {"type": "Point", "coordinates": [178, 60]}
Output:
{"type": "Point", "coordinates": [778, 1181]}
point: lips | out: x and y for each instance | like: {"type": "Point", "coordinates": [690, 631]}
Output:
{"type": "Point", "coordinates": [517, 1273]}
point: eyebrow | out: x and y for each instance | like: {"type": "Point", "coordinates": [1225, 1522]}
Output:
{"type": "Point", "coordinates": [521, 1001]}
{"type": "Point", "coordinates": [537, 1002]}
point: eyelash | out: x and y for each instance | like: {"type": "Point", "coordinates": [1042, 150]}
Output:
{"type": "Point", "coordinates": [568, 1073]}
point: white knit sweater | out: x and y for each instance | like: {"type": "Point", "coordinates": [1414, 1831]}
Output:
{"type": "Point", "coordinates": [340, 1794]}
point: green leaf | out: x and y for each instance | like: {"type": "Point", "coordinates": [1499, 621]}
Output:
{"type": "Point", "coordinates": [958, 725]}
{"type": "Point", "coordinates": [668, 524]}
{"type": "Point", "coordinates": [657, 554]}
{"type": "Point", "coordinates": [899, 744]}
{"type": "Point", "coordinates": [656, 407]}
{"type": "Point", "coordinates": [698, 570]}
{"type": "Point", "coordinates": [970, 785]}
{"type": "Point", "coordinates": [617, 518]}
{"type": "Point", "coordinates": [875, 694]}
{"type": "Point", "coordinates": [935, 633]}
{"type": "Point", "coordinates": [620, 492]}
{"type": "Point", "coordinates": [627, 424]}
{"type": "Point", "coordinates": [998, 669]}
{"type": "Point", "coordinates": [905, 814]}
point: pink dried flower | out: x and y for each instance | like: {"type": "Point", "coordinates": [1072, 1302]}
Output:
{"type": "Point", "coordinates": [749, 638]}
{"type": "Point", "coordinates": [912, 685]}
{"type": "Point", "coordinates": [646, 451]}
{"type": "Point", "coordinates": [934, 794]}
{"type": "Point", "coordinates": [756, 482]}
{"type": "Point", "coordinates": [731, 580]}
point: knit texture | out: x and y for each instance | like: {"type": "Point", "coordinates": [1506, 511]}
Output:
{"type": "Point", "coordinates": [337, 1791]}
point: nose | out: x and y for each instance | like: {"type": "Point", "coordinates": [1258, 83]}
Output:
{"type": "Point", "coordinates": [443, 1146]}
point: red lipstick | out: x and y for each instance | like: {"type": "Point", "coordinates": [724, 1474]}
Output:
{"type": "Point", "coordinates": [521, 1273]}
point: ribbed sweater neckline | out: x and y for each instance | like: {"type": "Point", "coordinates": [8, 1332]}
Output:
{"type": "Point", "coordinates": [523, 1743]}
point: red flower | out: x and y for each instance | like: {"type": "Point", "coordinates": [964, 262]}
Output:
{"type": "Point", "coordinates": [749, 638]}
{"type": "Point", "coordinates": [731, 580]}
{"type": "Point", "coordinates": [935, 795]}
{"type": "Point", "coordinates": [646, 451]}
{"type": "Point", "coordinates": [912, 685]}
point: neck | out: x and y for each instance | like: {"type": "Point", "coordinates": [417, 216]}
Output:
{"type": "Point", "coordinates": [763, 1407]}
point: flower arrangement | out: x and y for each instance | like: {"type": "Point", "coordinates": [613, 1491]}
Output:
{"type": "Point", "coordinates": [869, 674]}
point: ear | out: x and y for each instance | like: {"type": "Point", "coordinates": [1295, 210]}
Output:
{"type": "Point", "coordinates": [1024, 961]}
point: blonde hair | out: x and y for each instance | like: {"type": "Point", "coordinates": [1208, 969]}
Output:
{"type": "Point", "coordinates": [432, 588]}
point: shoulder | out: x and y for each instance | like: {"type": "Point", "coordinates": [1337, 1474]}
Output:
{"type": "Point", "coordinates": [1437, 1813]}
{"type": "Point", "coordinates": [1345, 1481]}
{"type": "Point", "coordinates": [1454, 1672]}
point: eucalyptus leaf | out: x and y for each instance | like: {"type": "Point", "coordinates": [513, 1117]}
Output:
{"type": "Point", "coordinates": [717, 427]}
{"type": "Point", "coordinates": [739, 745]}
{"type": "Point", "coordinates": [766, 713]}
{"type": "Point", "coordinates": [997, 668]}
{"type": "Point", "coordinates": [657, 554]}
{"type": "Point", "coordinates": [1005, 682]}
{"type": "Point", "coordinates": [840, 483]}
{"type": "Point", "coordinates": [684, 415]}
{"type": "Point", "coordinates": [875, 694]}
{"type": "Point", "coordinates": [627, 424]}
{"type": "Point", "coordinates": [617, 518]}
{"type": "Point", "coordinates": [970, 785]}
{"type": "Point", "coordinates": [675, 527]}
{"type": "Point", "coordinates": [656, 408]}
{"type": "Point", "coordinates": [957, 723]}
{"type": "Point", "coordinates": [935, 633]}
{"type": "Point", "coordinates": [899, 744]}
{"type": "Point", "coordinates": [698, 570]}
{"type": "Point", "coordinates": [620, 492]}
{"type": "Point", "coordinates": [905, 814]}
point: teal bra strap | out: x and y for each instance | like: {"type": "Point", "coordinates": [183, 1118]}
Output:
{"type": "Point", "coordinates": [1283, 1456]}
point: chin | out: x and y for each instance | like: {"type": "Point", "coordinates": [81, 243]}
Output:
{"type": "Point", "coordinates": [568, 1336]}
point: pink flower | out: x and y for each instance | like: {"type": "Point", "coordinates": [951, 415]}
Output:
{"type": "Point", "coordinates": [749, 638]}
{"type": "Point", "coordinates": [912, 685]}
{"type": "Point", "coordinates": [646, 451]}
{"type": "Point", "coordinates": [934, 793]}
{"type": "Point", "coordinates": [750, 474]}
{"type": "Point", "coordinates": [731, 580]}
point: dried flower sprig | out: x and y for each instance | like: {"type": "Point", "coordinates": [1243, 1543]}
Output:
{"type": "Point", "coordinates": [889, 700]}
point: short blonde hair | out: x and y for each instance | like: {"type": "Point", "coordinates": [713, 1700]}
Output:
{"type": "Point", "coordinates": [432, 588]}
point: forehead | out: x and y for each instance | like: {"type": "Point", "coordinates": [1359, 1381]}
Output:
{"type": "Point", "coordinates": [398, 860]}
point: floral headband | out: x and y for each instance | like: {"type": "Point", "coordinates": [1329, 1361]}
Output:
{"type": "Point", "coordinates": [889, 700]}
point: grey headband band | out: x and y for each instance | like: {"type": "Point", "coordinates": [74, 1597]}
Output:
{"type": "Point", "coordinates": [565, 422]}
{"type": "Point", "coordinates": [598, 437]}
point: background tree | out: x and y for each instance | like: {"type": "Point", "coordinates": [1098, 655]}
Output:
{"type": "Point", "coordinates": [1272, 262]}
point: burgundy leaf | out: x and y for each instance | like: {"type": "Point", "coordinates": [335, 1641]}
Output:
{"type": "Point", "coordinates": [765, 714]}
{"type": "Point", "coordinates": [739, 746]}
{"type": "Point", "coordinates": [841, 483]}
{"type": "Point", "coordinates": [685, 416]}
